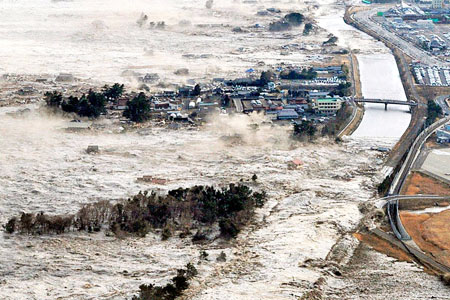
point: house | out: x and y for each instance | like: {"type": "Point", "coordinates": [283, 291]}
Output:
{"type": "Point", "coordinates": [65, 77]}
{"type": "Point", "coordinates": [299, 102]}
{"type": "Point", "coordinates": [162, 105]}
{"type": "Point", "coordinates": [150, 78]}
{"type": "Point", "coordinates": [185, 91]}
{"type": "Point", "coordinates": [295, 164]}
{"type": "Point", "coordinates": [76, 125]}
{"type": "Point", "coordinates": [121, 104]}
{"type": "Point", "coordinates": [26, 91]}
{"type": "Point", "coordinates": [318, 94]}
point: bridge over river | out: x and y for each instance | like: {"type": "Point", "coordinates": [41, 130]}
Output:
{"type": "Point", "coordinates": [385, 102]}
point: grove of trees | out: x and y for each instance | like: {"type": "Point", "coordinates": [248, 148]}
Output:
{"type": "Point", "coordinates": [90, 105]}
{"type": "Point", "coordinates": [138, 109]}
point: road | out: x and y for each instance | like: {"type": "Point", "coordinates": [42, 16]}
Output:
{"type": "Point", "coordinates": [414, 152]}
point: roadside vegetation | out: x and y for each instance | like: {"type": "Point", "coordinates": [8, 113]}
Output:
{"type": "Point", "coordinates": [333, 127]}
{"type": "Point", "coordinates": [183, 210]}
{"type": "Point", "coordinates": [434, 111]}
{"type": "Point", "coordinates": [343, 89]}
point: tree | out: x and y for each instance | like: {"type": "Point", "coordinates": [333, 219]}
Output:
{"type": "Point", "coordinates": [53, 99]}
{"type": "Point", "coordinates": [113, 92]}
{"type": "Point", "coordinates": [295, 19]}
{"type": "Point", "coordinates": [433, 111]}
{"type": "Point", "coordinates": [307, 29]}
{"type": "Point", "coordinates": [305, 127]}
{"type": "Point", "coordinates": [343, 89]}
{"type": "Point", "coordinates": [266, 77]}
{"type": "Point", "coordinates": [197, 90]}
{"type": "Point", "coordinates": [91, 105]}
{"type": "Point", "coordinates": [70, 105]}
{"type": "Point", "coordinates": [304, 74]}
{"type": "Point", "coordinates": [226, 101]}
{"type": "Point", "coordinates": [138, 109]}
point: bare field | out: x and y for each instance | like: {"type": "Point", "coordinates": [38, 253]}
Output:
{"type": "Point", "coordinates": [430, 232]}
{"type": "Point", "coordinates": [418, 183]}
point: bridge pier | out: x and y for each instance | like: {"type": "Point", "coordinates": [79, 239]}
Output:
{"type": "Point", "coordinates": [385, 106]}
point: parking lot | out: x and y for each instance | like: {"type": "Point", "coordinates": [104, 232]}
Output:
{"type": "Point", "coordinates": [432, 76]}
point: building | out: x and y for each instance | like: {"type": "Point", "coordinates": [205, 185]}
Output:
{"type": "Point", "coordinates": [437, 4]}
{"type": "Point", "coordinates": [121, 103]}
{"type": "Point", "coordinates": [287, 114]}
{"type": "Point", "coordinates": [76, 125]}
{"type": "Point", "coordinates": [65, 77]}
{"type": "Point", "coordinates": [443, 135]}
{"type": "Point", "coordinates": [327, 106]}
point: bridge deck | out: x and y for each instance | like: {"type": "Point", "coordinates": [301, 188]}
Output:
{"type": "Point", "coordinates": [385, 101]}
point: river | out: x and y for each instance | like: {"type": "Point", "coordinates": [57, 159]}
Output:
{"type": "Point", "coordinates": [379, 79]}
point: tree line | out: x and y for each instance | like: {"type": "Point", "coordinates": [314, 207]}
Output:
{"type": "Point", "coordinates": [183, 210]}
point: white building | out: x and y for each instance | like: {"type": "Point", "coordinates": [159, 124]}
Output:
{"type": "Point", "coordinates": [327, 106]}
{"type": "Point", "coordinates": [436, 4]}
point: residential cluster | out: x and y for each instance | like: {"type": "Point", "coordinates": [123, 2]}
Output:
{"type": "Point", "coordinates": [291, 93]}
{"type": "Point", "coordinates": [423, 24]}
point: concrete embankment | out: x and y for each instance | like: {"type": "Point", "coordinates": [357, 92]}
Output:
{"type": "Point", "coordinates": [358, 110]}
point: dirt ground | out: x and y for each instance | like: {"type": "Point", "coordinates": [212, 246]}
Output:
{"type": "Point", "coordinates": [383, 246]}
{"type": "Point", "coordinates": [430, 232]}
{"type": "Point", "coordinates": [418, 183]}
{"type": "Point", "coordinates": [356, 78]}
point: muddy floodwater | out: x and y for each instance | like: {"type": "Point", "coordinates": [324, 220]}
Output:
{"type": "Point", "coordinates": [300, 241]}
{"type": "Point", "coordinates": [47, 169]}
{"type": "Point", "coordinates": [101, 39]}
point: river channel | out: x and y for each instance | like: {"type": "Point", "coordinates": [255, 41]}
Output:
{"type": "Point", "coordinates": [379, 79]}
